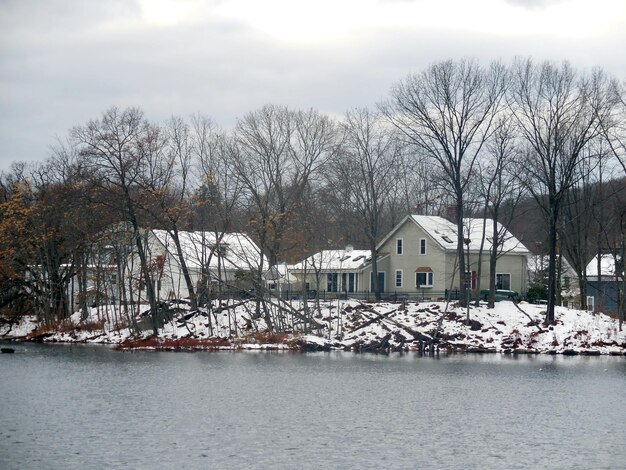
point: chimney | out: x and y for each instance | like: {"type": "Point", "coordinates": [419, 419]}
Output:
{"type": "Point", "coordinates": [451, 212]}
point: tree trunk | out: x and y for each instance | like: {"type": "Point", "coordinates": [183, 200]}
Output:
{"type": "Point", "coordinates": [460, 240]}
{"type": "Point", "coordinates": [145, 271]}
{"type": "Point", "coordinates": [582, 285]}
{"type": "Point", "coordinates": [375, 270]}
{"type": "Point", "coordinates": [493, 259]}
{"type": "Point", "coordinates": [183, 266]}
{"type": "Point", "coordinates": [480, 259]}
{"type": "Point", "coordinates": [552, 263]}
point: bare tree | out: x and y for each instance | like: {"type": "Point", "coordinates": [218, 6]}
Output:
{"type": "Point", "coordinates": [217, 199]}
{"type": "Point", "coordinates": [166, 187]}
{"type": "Point", "coordinates": [583, 211]}
{"type": "Point", "coordinates": [614, 125]}
{"type": "Point", "coordinates": [501, 191]}
{"type": "Point", "coordinates": [447, 111]}
{"type": "Point", "coordinates": [558, 112]}
{"type": "Point", "coordinates": [279, 151]}
{"type": "Point", "coordinates": [114, 149]}
{"type": "Point", "coordinates": [365, 173]}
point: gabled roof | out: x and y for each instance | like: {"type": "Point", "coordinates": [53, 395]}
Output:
{"type": "Point", "coordinates": [444, 233]}
{"type": "Point", "coordinates": [280, 272]}
{"type": "Point", "coordinates": [335, 260]}
{"type": "Point", "coordinates": [241, 253]}
{"type": "Point", "coordinates": [607, 266]}
{"type": "Point", "coordinates": [537, 263]}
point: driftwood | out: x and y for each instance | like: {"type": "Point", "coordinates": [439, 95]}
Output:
{"type": "Point", "coordinates": [384, 317]}
{"type": "Point", "coordinates": [377, 346]}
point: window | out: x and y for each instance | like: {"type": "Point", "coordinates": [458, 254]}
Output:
{"type": "Point", "coordinates": [422, 246]}
{"type": "Point", "coordinates": [590, 303]}
{"type": "Point", "coordinates": [399, 278]}
{"type": "Point", "coordinates": [331, 282]}
{"type": "Point", "coordinates": [398, 246]}
{"type": "Point", "coordinates": [113, 279]}
{"type": "Point", "coordinates": [348, 282]}
{"type": "Point", "coordinates": [503, 281]}
{"type": "Point", "coordinates": [424, 279]}
{"type": "Point", "coordinates": [352, 282]}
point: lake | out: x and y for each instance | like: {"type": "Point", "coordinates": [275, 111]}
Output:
{"type": "Point", "coordinates": [76, 407]}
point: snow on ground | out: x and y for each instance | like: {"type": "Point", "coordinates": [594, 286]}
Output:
{"type": "Point", "coordinates": [350, 325]}
{"type": "Point", "coordinates": [11, 330]}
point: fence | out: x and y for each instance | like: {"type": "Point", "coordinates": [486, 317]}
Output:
{"type": "Point", "coordinates": [423, 295]}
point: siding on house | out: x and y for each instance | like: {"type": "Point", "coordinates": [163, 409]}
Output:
{"type": "Point", "coordinates": [604, 286]}
{"type": "Point", "coordinates": [439, 236]}
{"type": "Point", "coordinates": [411, 259]}
{"type": "Point", "coordinates": [440, 257]}
{"type": "Point", "coordinates": [241, 256]}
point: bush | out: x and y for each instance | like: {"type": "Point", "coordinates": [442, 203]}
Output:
{"type": "Point", "coordinates": [536, 293]}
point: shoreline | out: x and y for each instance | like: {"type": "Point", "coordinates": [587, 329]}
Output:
{"type": "Point", "coordinates": [297, 345]}
{"type": "Point", "coordinates": [408, 327]}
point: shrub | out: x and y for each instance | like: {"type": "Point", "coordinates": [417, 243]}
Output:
{"type": "Point", "coordinates": [536, 292]}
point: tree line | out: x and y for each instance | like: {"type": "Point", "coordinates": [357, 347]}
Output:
{"type": "Point", "coordinates": [481, 139]}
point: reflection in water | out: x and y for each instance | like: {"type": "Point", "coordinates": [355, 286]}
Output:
{"type": "Point", "coordinates": [89, 406]}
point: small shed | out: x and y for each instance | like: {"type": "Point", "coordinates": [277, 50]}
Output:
{"type": "Point", "coordinates": [603, 283]}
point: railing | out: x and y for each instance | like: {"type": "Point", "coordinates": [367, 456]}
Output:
{"type": "Point", "coordinates": [395, 296]}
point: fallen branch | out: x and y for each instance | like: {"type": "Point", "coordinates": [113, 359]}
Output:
{"type": "Point", "coordinates": [534, 322]}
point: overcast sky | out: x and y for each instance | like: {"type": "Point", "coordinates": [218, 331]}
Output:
{"type": "Point", "coordinates": [63, 62]}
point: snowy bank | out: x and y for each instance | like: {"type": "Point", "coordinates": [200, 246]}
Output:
{"type": "Point", "coordinates": [348, 325]}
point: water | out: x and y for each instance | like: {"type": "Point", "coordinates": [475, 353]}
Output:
{"type": "Point", "coordinates": [92, 407]}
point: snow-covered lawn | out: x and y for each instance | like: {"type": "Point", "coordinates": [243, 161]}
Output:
{"type": "Point", "coordinates": [354, 325]}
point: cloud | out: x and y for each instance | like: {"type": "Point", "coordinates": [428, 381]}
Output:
{"type": "Point", "coordinates": [63, 62]}
{"type": "Point", "coordinates": [535, 4]}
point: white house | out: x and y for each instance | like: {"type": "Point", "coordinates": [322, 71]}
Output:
{"type": "Point", "coordinates": [227, 258]}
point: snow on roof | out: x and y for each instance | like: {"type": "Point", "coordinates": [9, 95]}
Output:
{"type": "Point", "coordinates": [238, 251]}
{"type": "Point", "coordinates": [445, 233]}
{"type": "Point", "coordinates": [607, 266]}
{"type": "Point", "coordinates": [335, 260]}
{"type": "Point", "coordinates": [537, 263]}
